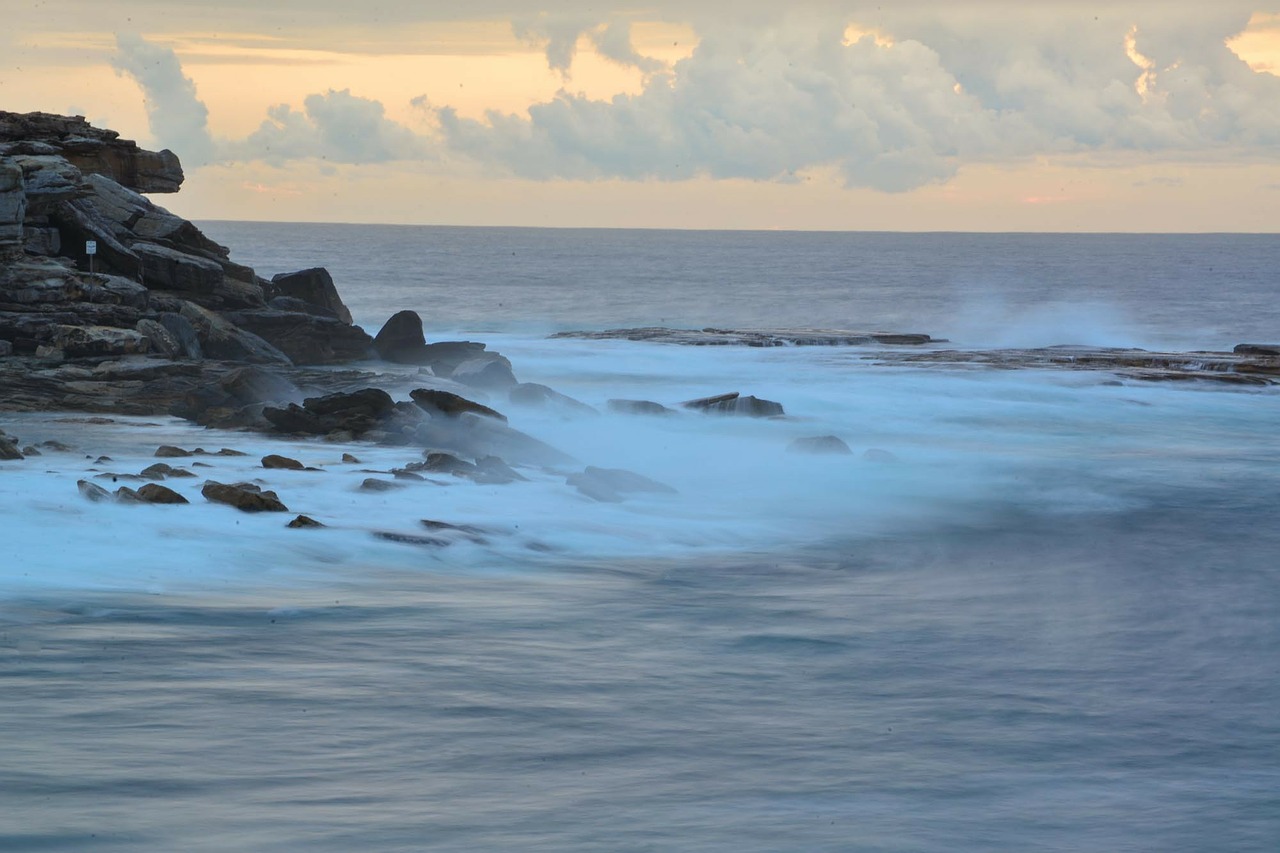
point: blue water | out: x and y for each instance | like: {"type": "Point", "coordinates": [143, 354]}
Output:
{"type": "Point", "coordinates": [1050, 625]}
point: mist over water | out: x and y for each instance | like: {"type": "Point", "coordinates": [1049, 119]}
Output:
{"type": "Point", "coordinates": [1040, 616]}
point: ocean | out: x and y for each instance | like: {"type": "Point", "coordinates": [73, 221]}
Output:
{"type": "Point", "coordinates": [1034, 609]}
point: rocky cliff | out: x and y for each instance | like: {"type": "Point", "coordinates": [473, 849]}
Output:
{"type": "Point", "coordinates": [156, 283]}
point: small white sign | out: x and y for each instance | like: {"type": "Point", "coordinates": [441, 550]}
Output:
{"type": "Point", "coordinates": [91, 247]}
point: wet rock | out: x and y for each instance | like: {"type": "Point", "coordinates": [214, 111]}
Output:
{"type": "Point", "coordinates": [243, 496]}
{"type": "Point", "coordinates": [154, 493]}
{"type": "Point", "coordinates": [447, 463]}
{"type": "Point", "coordinates": [735, 404]}
{"type": "Point", "coordinates": [92, 491]}
{"type": "Point", "coordinates": [32, 450]}
{"type": "Point", "coordinates": [820, 445]}
{"type": "Point", "coordinates": [350, 459]}
{"type": "Point", "coordinates": [126, 495]}
{"type": "Point", "coordinates": [56, 445]}
{"type": "Point", "coordinates": [463, 531]}
{"type": "Point", "coordinates": [168, 451]}
{"type": "Point", "coordinates": [612, 485]}
{"type": "Point", "coordinates": [405, 474]}
{"type": "Point", "coordinates": [282, 462]}
{"type": "Point", "coordinates": [446, 403]}
{"type": "Point", "coordinates": [158, 471]}
{"type": "Point", "coordinates": [8, 450]}
{"type": "Point", "coordinates": [313, 287]}
{"type": "Point", "coordinates": [304, 521]}
{"type": "Point", "coordinates": [540, 396]}
{"type": "Point", "coordinates": [473, 436]}
{"type": "Point", "coordinates": [373, 484]}
{"type": "Point", "coordinates": [227, 451]}
{"type": "Point", "coordinates": [638, 407]}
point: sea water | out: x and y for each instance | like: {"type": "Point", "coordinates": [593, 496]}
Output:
{"type": "Point", "coordinates": [1040, 616]}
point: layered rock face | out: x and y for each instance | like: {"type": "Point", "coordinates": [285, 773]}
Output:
{"type": "Point", "coordinates": [157, 285]}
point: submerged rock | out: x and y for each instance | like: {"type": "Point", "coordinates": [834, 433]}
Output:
{"type": "Point", "coordinates": [304, 521]}
{"type": "Point", "coordinates": [373, 484]}
{"type": "Point", "coordinates": [533, 394]}
{"type": "Point", "coordinates": [820, 445]}
{"type": "Point", "coordinates": [612, 485]}
{"type": "Point", "coordinates": [168, 451]}
{"type": "Point", "coordinates": [8, 450]}
{"type": "Point", "coordinates": [92, 491]}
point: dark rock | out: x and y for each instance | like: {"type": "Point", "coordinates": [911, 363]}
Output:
{"type": "Point", "coordinates": [611, 485]}
{"type": "Point", "coordinates": [92, 491]}
{"type": "Point", "coordinates": [446, 403]}
{"type": "Point", "coordinates": [348, 458]}
{"type": "Point", "coordinates": [283, 462]}
{"type": "Point", "coordinates": [32, 450]}
{"type": "Point", "coordinates": [638, 407]}
{"type": "Point", "coordinates": [1257, 349]}
{"type": "Point", "coordinates": [820, 444]}
{"type": "Point", "coordinates": [313, 287]}
{"type": "Point", "coordinates": [254, 384]}
{"type": "Point", "coordinates": [56, 445]}
{"type": "Point", "coordinates": [243, 496]}
{"type": "Point", "coordinates": [306, 338]}
{"type": "Point", "coordinates": [168, 451]}
{"type": "Point", "coordinates": [6, 349]}
{"type": "Point", "coordinates": [372, 401]}
{"type": "Point", "coordinates": [154, 493]}
{"type": "Point", "coordinates": [126, 495]}
{"type": "Point", "coordinates": [755, 338]}
{"type": "Point", "coordinates": [447, 463]}
{"type": "Point", "coordinates": [465, 531]}
{"type": "Point", "coordinates": [95, 151]}
{"type": "Point", "coordinates": [9, 450]}
{"type": "Point", "coordinates": [294, 419]}
{"type": "Point", "coordinates": [400, 337]}
{"type": "Point", "coordinates": [304, 521]}
{"type": "Point", "coordinates": [533, 394]}
{"type": "Point", "coordinates": [164, 268]}
{"type": "Point", "coordinates": [735, 404]}
{"type": "Point", "coordinates": [404, 474]}
{"type": "Point", "coordinates": [227, 451]}
{"type": "Point", "coordinates": [220, 338]}
{"type": "Point", "coordinates": [373, 484]}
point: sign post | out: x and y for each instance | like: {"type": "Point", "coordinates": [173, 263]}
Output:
{"type": "Point", "coordinates": [91, 249]}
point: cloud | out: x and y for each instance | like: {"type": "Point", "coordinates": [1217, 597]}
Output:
{"type": "Point", "coordinates": [336, 126]}
{"type": "Point", "coordinates": [770, 102]}
{"type": "Point", "coordinates": [178, 118]}
{"type": "Point", "coordinates": [558, 35]}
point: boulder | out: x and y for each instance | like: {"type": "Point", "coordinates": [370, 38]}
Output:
{"type": "Point", "coordinates": [9, 450]}
{"type": "Point", "coordinates": [400, 337]}
{"type": "Point", "coordinates": [373, 484]}
{"type": "Point", "coordinates": [314, 287]}
{"type": "Point", "coordinates": [184, 333]}
{"type": "Point", "coordinates": [159, 339]}
{"type": "Point", "coordinates": [254, 384]}
{"type": "Point", "coordinates": [303, 522]}
{"type": "Point", "coordinates": [13, 207]}
{"type": "Point", "coordinates": [820, 445]}
{"type": "Point", "coordinates": [274, 460]}
{"type": "Point", "coordinates": [354, 412]}
{"type": "Point", "coordinates": [168, 451]}
{"type": "Point", "coordinates": [1257, 349]}
{"type": "Point", "coordinates": [446, 403]}
{"type": "Point", "coordinates": [154, 493]}
{"type": "Point", "coordinates": [638, 407]}
{"type": "Point", "coordinates": [243, 496]}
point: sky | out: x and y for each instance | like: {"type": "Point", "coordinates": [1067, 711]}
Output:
{"type": "Point", "coordinates": [1131, 115]}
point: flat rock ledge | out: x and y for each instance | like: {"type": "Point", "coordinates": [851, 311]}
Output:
{"type": "Point", "coordinates": [754, 337]}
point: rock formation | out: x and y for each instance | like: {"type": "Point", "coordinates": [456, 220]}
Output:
{"type": "Point", "coordinates": [155, 285]}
